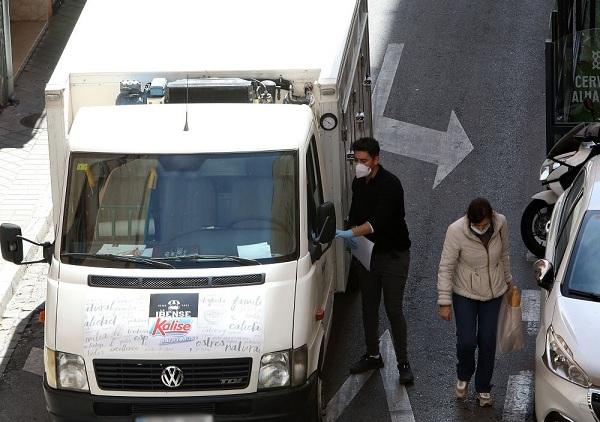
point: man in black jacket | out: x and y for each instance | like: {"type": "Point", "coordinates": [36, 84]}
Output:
{"type": "Point", "coordinates": [377, 212]}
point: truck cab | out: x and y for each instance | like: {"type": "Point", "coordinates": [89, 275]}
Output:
{"type": "Point", "coordinates": [197, 260]}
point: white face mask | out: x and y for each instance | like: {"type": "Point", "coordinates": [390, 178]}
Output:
{"type": "Point", "coordinates": [480, 232]}
{"type": "Point", "coordinates": [361, 170]}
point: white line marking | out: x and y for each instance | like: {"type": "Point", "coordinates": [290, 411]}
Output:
{"type": "Point", "coordinates": [530, 308]}
{"type": "Point", "coordinates": [385, 79]}
{"type": "Point", "coordinates": [530, 305]}
{"type": "Point", "coordinates": [35, 362]}
{"type": "Point", "coordinates": [345, 395]}
{"type": "Point", "coordinates": [519, 397]}
{"type": "Point", "coordinates": [396, 395]}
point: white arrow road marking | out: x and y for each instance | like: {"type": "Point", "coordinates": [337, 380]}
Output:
{"type": "Point", "coordinates": [519, 396]}
{"type": "Point", "coordinates": [35, 362]}
{"type": "Point", "coordinates": [445, 149]}
{"type": "Point", "coordinates": [397, 398]}
{"type": "Point", "coordinates": [530, 309]}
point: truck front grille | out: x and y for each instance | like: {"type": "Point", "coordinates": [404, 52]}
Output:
{"type": "Point", "coordinates": [175, 283]}
{"type": "Point", "coordinates": [198, 375]}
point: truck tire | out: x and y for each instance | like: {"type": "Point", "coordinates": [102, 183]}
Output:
{"type": "Point", "coordinates": [319, 407]}
{"type": "Point", "coordinates": [533, 226]}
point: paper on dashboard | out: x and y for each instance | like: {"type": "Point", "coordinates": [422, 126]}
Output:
{"type": "Point", "coordinates": [255, 251]}
{"type": "Point", "coordinates": [363, 251]}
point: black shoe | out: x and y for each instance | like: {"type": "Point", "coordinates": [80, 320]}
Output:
{"type": "Point", "coordinates": [366, 363]}
{"type": "Point", "coordinates": [406, 375]}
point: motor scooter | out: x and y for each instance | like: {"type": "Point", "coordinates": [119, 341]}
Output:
{"type": "Point", "coordinates": [558, 171]}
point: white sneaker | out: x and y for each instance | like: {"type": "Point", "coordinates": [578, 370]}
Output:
{"type": "Point", "coordinates": [461, 389]}
{"type": "Point", "coordinates": [485, 399]}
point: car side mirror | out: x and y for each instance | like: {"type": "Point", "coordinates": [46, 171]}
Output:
{"type": "Point", "coordinates": [544, 273]}
{"type": "Point", "coordinates": [326, 223]}
{"type": "Point", "coordinates": [11, 243]}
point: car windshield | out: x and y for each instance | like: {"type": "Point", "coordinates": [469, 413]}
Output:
{"type": "Point", "coordinates": [201, 206]}
{"type": "Point", "coordinates": [583, 274]}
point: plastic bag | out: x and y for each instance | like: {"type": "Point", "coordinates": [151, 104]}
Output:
{"type": "Point", "coordinates": [510, 322]}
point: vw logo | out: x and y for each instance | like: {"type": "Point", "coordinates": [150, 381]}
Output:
{"type": "Point", "coordinates": [172, 376]}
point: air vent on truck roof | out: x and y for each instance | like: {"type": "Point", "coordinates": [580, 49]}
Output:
{"type": "Point", "coordinates": [210, 90]}
{"type": "Point", "coordinates": [175, 283]}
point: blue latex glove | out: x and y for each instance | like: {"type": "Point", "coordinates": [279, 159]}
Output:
{"type": "Point", "coordinates": [344, 234]}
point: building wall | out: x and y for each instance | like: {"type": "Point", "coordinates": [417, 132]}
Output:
{"type": "Point", "coordinates": [30, 10]}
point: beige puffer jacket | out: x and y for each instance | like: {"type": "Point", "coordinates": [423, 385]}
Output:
{"type": "Point", "coordinates": [468, 269]}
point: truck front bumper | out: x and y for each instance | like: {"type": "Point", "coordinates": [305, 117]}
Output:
{"type": "Point", "coordinates": [291, 404]}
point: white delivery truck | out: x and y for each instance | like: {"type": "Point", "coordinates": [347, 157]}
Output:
{"type": "Point", "coordinates": [199, 164]}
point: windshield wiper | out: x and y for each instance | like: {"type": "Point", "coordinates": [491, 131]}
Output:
{"type": "Point", "coordinates": [588, 295]}
{"type": "Point", "coordinates": [194, 257]}
{"type": "Point", "coordinates": [124, 258]}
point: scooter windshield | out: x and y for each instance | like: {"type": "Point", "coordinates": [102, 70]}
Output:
{"type": "Point", "coordinates": [164, 206]}
{"type": "Point", "coordinates": [570, 142]}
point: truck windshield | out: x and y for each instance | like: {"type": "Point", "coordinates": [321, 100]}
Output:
{"type": "Point", "coordinates": [181, 208]}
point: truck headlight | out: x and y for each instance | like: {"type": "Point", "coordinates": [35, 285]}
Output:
{"type": "Point", "coordinates": [274, 370]}
{"type": "Point", "coordinates": [66, 371]}
{"type": "Point", "coordinates": [282, 369]}
{"type": "Point", "coordinates": [559, 359]}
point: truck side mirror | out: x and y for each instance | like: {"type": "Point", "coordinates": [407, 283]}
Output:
{"type": "Point", "coordinates": [11, 243]}
{"type": "Point", "coordinates": [544, 273]}
{"type": "Point", "coordinates": [326, 223]}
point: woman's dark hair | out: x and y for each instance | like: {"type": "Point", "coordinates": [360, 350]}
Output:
{"type": "Point", "coordinates": [478, 210]}
{"type": "Point", "coordinates": [369, 145]}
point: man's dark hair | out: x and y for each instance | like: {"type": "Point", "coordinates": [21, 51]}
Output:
{"type": "Point", "coordinates": [478, 210]}
{"type": "Point", "coordinates": [369, 145]}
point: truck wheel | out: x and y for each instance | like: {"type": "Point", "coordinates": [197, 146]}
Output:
{"type": "Point", "coordinates": [319, 410]}
{"type": "Point", "coordinates": [533, 226]}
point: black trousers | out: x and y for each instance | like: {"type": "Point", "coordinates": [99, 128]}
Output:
{"type": "Point", "coordinates": [476, 328]}
{"type": "Point", "coordinates": [388, 275]}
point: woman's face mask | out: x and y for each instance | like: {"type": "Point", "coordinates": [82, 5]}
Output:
{"type": "Point", "coordinates": [480, 231]}
{"type": "Point", "coordinates": [361, 170]}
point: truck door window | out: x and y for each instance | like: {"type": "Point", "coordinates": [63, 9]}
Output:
{"type": "Point", "coordinates": [314, 188]}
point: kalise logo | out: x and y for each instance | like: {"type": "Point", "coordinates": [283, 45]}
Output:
{"type": "Point", "coordinates": [166, 327]}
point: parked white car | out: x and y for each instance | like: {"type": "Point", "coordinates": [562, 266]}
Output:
{"type": "Point", "coordinates": [567, 377]}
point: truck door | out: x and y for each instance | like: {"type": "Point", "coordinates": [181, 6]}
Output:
{"type": "Point", "coordinates": [314, 196]}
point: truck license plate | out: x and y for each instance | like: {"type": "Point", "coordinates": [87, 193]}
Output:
{"type": "Point", "coordinates": [176, 418]}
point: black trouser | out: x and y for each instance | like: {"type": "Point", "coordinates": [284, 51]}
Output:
{"type": "Point", "coordinates": [388, 274]}
{"type": "Point", "coordinates": [476, 328]}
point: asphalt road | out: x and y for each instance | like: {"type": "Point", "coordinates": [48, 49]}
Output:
{"type": "Point", "coordinates": [485, 62]}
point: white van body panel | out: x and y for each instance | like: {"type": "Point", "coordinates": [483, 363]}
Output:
{"type": "Point", "coordinates": [74, 295]}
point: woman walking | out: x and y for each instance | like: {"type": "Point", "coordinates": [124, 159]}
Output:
{"type": "Point", "coordinates": [474, 273]}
